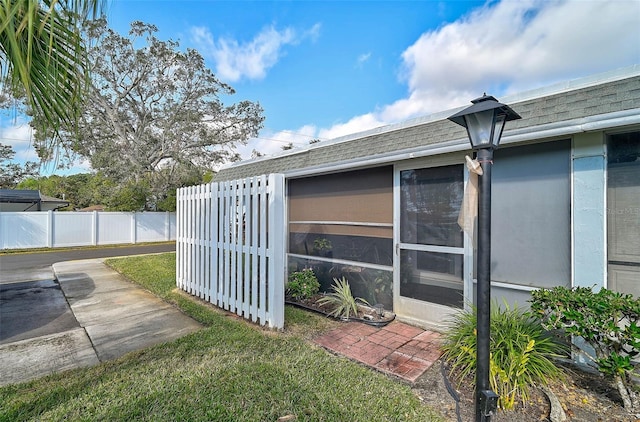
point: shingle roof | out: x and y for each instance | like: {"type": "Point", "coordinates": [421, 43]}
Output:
{"type": "Point", "coordinates": [599, 98]}
{"type": "Point", "coordinates": [28, 196]}
{"type": "Point", "coordinates": [19, 195]}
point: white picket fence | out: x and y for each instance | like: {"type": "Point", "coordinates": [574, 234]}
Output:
{"type": "Point", "coordinates": [231, 247]}
{"type": "Point", "coordinates": [23, 230]}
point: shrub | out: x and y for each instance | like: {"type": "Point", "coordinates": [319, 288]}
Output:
{"type": "Point", "coordinates": [341, 299]}
{"type": "Point", "coordinates": [606, 320]}
{"type": "Point", "coordinates": [520, 352]}
{"type": "Point", "coordinates": [302, 284]}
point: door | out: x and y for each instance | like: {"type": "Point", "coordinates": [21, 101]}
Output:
{"type": "Point", "coordinates": [430, 246]}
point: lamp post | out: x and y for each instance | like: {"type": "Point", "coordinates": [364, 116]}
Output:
{"type": "Point", "coordinates": [484, 121]}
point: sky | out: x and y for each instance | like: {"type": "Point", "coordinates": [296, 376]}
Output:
{"type": "Point", "coordinates": [325, 69]}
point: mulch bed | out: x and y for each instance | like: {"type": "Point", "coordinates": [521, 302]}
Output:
{"type": "Point", "coordinates": [366, 315]}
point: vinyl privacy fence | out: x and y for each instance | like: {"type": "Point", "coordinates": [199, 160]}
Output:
{"type": "Point", "coordinates": [231, 247]}
{"type": "Point", "coordinates": [23, 230]}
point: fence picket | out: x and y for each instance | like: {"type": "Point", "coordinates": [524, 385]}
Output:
{"type": "Point", "coordinates": [189, 234]}
{"type": "Point", "coordinates": [226, 296]}
{"type": "Point", "coordinates": [262, 249]}
{"type": "Point", "coordinates": [246, 242]}
{"type": "Point", "coordinates": [220, 246]}
{"type": "Point", "coordinates": [255, 263]}
{"type": "Point", "coordinates": [207, 242]}
{"type": "Point", "coordinates": [234, 247]}
{"type": "Point", "coordinates": [231, 246]}
{"type": "Point", "coordinates": [179, 244]}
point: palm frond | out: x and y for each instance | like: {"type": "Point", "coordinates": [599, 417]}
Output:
{"type": "Point", "coordinates": [41, 50]}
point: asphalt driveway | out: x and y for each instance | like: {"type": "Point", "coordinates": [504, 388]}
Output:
{"type": "Point", "coordinates": [33, 309]}
{"type": "Point", "coordinates": [37, 265]}
{"type": "Point", "coordinates": [84, 314]}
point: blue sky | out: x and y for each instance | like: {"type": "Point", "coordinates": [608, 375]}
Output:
{"type": "Point", "coordinates": [324, 69]}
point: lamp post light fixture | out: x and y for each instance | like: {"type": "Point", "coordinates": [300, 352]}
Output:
{"type": "Point", "coordinates": [484, 121]}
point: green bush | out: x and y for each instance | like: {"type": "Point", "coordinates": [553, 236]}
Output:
{"type": "Point", "coordinates": [302, 284]}
{"type": "Point", "coordinates": [520, 352]}
{"type": "Point", "coordinates": [342, 300]}
{"type": "Point", "coordinates": [606, 320]}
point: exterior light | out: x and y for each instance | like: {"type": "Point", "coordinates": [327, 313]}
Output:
{"type": "Point", "coordinates": [484, 121]}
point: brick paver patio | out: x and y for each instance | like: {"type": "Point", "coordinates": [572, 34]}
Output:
{"type": "Point", "coordinates": [398, 348]}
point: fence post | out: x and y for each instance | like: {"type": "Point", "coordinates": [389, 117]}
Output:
{"type": "Point", "coordinates": [94, 228]}
{"type": "Point", "coordinates": [276, 245]}
{"type": "Point", "coordinates": [178, 249]}
{"type": "Point", "coordinates": [3, 231]}
{"type": "Point", "coordinates": [134, 224]}
{"type": "Point", "coordinates": [50, 229]}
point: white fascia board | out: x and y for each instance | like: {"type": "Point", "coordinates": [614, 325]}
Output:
{"type": "Point", "coordinates": [551, 130]}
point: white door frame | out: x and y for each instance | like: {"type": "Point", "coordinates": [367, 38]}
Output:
{"type": "Point", "coordinates": [430, 315]}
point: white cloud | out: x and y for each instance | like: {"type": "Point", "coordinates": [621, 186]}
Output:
{"type": "Point", "coordinates": [313, 33]}
{"type": "Point", "coordinates": [355, 125]}
{"type": "Point", "coordinates": [271, 142]}
{"type": "Point", "coordinates": [363, 58]}
{"type": "Point", "coordinates": [517, 45]}
{"type": "Point", "coordinates": [506, 48]}
{"type": "Point", "coordinates": [18, 136]}
{"type": "Point", "coordinates": [251, 60]}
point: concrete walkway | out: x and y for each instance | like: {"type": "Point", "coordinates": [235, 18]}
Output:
{"type": "Point", "coordinates": [90, 315]}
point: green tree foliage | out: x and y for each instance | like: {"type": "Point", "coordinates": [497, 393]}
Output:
{"type": "Point", "coordinates": [12, 173]}
{"type": "Point", "coordinates": [606, 320]}
{"type": "Point", "coordinates": [83, 190]}
{"type": "Point", "coordinates": [153, 115]}
{"type": "Point", "coordinates": [42, 55]}
{"type": "Point", "coordinates": [54, 186]}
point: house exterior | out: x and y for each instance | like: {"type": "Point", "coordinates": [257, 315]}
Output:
{"type": "Point", "coordinates": [17, 200]}
{"type": "Point", "coordinates": [380, 208]}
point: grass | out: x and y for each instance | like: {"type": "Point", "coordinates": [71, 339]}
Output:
{"type": "Point", "coordinates": [228, 371]}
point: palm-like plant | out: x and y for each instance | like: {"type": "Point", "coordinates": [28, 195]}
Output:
{"type": "Point", "coordinates": [522, 352]}
{"type": "Point", "coordinates": [342, 300]}
{"type": "Point", "coordinates": [41, 52]}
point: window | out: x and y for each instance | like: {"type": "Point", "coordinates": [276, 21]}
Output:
{"type": "Point", "coordinates": [531, 215]}
{"type": "Point", "coordinates": [342, 225]}
{"type": "Point", "coordinates": [623, 212]}
{"type": "Point", "coordinates": [430, 202]}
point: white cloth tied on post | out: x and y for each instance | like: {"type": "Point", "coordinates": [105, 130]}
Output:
{"type": "Point", "coordinates": [469, 208]}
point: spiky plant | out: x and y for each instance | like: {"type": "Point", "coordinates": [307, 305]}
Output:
{"type": "Point", "coordinates": [341, 300]}
{"type": "Point", "coordinates": [521, 352]}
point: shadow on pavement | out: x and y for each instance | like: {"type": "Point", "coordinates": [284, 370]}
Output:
{"type": "Point", "coordinates": [33, 309]}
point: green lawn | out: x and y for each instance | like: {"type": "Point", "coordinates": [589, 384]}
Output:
{"type": "Point", "coordinates": [229, 371]}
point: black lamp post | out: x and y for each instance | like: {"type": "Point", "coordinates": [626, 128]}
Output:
{"type": "Point", "coordinates": [484, 121]}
